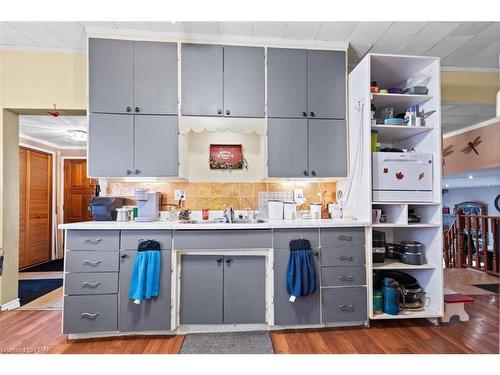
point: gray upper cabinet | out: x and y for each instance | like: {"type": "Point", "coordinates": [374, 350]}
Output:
{"type": "Point", "coordinates": [286, 82]}
{"type": "Point", "coordinates": [110, 145]}
{"type": "Point", "coordinates": [155, 78]}
{"type": "Point", "coordinates": [202, 80]}
{"type": "Point", "coordinates": [327, 148]}
{"type": "Point", "coordinates": [132, 77]}
{"type": "Point", "coordinates": [151, 314]}
{"type": "Point", "coordinates": [244, 81]}
{"type": "Point", "coordinates": [287, 148]}
{"type": "Point", "coordinates": [111, 75]}
{"type": "Point", "coordinates": [326, 80]}
{"type": "Point", "coordinates": [156, 146]}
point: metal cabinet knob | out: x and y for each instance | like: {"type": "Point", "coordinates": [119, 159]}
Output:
{"type": "Point", "coordinates": [137, 109]}
{"type": "Point", "coordinates": [312, 114]}
{"type": "Point", "coordinates": [228, 112]}
{"type": "Point", "coordinates": [304, 114]}
{"type": "Point", "coordinates": [136, 171]}
{"type": "Point", "coordinates": [219, 111]}
{"type": "Point", "coordinates": [219, 260]}
{"type": "Point", "coordinates": [305, 173]}
{"type": "Point", "coordinates": [228, 260]}
{"type": "Point", "coordinates": [123, 256]}
{"type": "Point", "coordinates": [129, 172]}
{"type": "Point", "coordinates": [313, 173]}
{"type": "Point", "coordinates": [128, 109]}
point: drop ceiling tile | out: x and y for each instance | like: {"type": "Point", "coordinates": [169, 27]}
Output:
{"type": "Point", "coordinates": [302, 30]}
{"type": "Point", "coordinates": [406, 27]}
{"type": "Point", "coordinates": [168, 27]}
{"type": "Point", "coordinates": [143, 26]}
{"type": "Point", "coordinates": [461, 56]}
{"type": "Point", "coordinates": [269, 29]}
{"type": "Point", "coordinates": [431, 34]}
{"type": "Point", "coordinates": [72, 33]}
{"type": "Point", "coordinates": [492, 51]}
{"type": "Point", "coordinates": [470, 28]}
{"type": "Point", "coordinates": [357, 51]}
{"type": "Point", "coordinates": [236, 28]}
{"type": "Point", "coordinates": [390, 42]}
{"type": "Point", "coordinates": [368, 32]}
{"type": "Point", "coordinates": [447, 45]}
{"type": "Point", "coordinates": [10, 36]}
{"type": "Point", "coordinates": [336, 31]}
{"type": "Point", "coordinates": [478, 62]}
{"type": "Point", "coordinates": [487, 37]}
{"type": "Point", "coordinates": [40, 34]}
{"type": "Point", "coordinates": [211, 28]}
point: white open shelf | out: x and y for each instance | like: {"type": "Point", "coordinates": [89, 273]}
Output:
{"type": "Point", "coordinates": [395, 133]}
{"type": "Point", "coordinates": [425, 313]}
{"type": "Point", "coordinates": [400, 101]}
{"type": "Point", "coordinates": [415, 225]}
{"type": "Point", "coordinates": [392, 264]}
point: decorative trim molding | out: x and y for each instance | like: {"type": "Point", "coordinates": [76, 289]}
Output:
{"type": "Point", "coordinates": [11, 305]}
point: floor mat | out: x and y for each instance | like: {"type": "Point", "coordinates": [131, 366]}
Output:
{"type": "Point", "coordinates": [489, 287]}
{"type": "Point", "coordinates": [53, 265]}
{"type": "Point", "coordinates": [29, 290]}
{"type": "Point", "coordinates": [228, 343]}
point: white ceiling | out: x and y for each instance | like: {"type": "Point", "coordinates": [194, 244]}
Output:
{"type": "Point", "coordinates": [455, 116]}
{"type": "Point", "coordinates": [459, 44]}
{"type": "Point", "coordinates": [53, 131]}
{"type": "Point", "coordinates": [480, 177]}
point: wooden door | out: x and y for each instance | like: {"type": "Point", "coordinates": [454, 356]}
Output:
{"type": "Point", "coordinates": [35, 207]}
{"type": "Point", "coordinates": [78, 191]}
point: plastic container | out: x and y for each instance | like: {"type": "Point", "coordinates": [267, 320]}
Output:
{"type": "Point", "coordinates": [378, 300]}
{"type": "Point", "coordinates": [274, 209]}
{"type": "Point", "coordinates": [289, 210]}
{"type": "Point", "coordinates": [316, 210]}
{"type": "Point", "coordinates": [374, 140]}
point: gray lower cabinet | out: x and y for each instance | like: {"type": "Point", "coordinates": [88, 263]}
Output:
{"type": "Point", "coordinates": [201, 296]}
{"type": "Point", "coordinates": [305, 310]}
{"type": "Point", "coordinates": [156, 150]}
{"type": "Point", "coordinates": [222, 290]}
{"type": "Point", "coordinates": [344, 304]}
{"type": "Point", "coordinates": [327, 151]}
{"type": "Point", "coordinates": [93, 313]}
{"type": "Point", "coordinates": [151, 314]}
{"type": "Point", "coordinates": [202, 80]}
{"type": "Point", "coordinates": [110, 145]}
{"type": "Point", "coordinates": [287, 148]}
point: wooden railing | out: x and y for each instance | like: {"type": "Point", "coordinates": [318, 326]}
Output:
{"type": "Point", "coordinates": [472, 241]}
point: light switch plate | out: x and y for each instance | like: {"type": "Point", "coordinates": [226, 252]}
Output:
{"type": "Point", "coordinates": [178, 194]}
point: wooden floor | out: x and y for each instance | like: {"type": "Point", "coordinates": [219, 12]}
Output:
{"type": "Point", "coordinates": [462, 280]}
{"type": "Point", "coordinates": [40, 331]}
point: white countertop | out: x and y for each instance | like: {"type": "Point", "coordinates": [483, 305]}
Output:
{"type": "Point", "coordinates": [298, 223]}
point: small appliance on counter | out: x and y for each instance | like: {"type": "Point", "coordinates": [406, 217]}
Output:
{"type": "Point", "coordinates": [315, 209]}
{"type": "Point", "coordinates": [274, 209]}
{"type": "Point", "coordinates": [289, 210]}
{"type": "Point", "coordinates": [412, 252]}
{"type": "Point", "coordinates": [148, 205]}
{"type": "Point", "coordinates": [378, 246]}
{"type": "Point", "coordinates": [105, 208]}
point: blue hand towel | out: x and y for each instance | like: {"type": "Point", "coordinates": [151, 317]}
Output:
{"type": "Point", "coordinates": [145, 280]}
{"type": "Point", "coordinates": [301, 273]}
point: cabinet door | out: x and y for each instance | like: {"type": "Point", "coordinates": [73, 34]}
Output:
{"type": "Point", "coordinates": [156, 146]}
{"type": "Point", "coordinates": [202, 80]}
{"type": "Point", "coordinates": [327, 148]}
{"type": "Point", "coordinates": [244, 81]}
{"type": "Point", "coordinates": [287, 148]}
{"type": "Point", "coordinates": [244, 289]}
{"type": "Point", "coordinates": [110, 145]}
{"type": "Point", "coordinates": [155, 78]}
{"type": "Point", "coordinates": [305, 310]}
{"type": "Point", "coordinates": [111, 75]}
{"type": "Point", "coordinates": [326, 79]}
{"type": "Point", "coordinates": [151, 314]}
{"type": "Point", "coordinates": [286, 82]}
{"type": "Point", "coordinates": [201, 289]}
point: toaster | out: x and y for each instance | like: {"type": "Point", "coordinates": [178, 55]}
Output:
{"type": "Point", "coordinates": [104, 208]}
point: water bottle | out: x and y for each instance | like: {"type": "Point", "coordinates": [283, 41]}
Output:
{"type": "Point", "coordinates": [391, 292]}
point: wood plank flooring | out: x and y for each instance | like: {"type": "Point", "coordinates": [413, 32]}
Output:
{"type": "Point", "coordinates": [32, 331]}
{"type": "Point", "coordinates": [461, 280]}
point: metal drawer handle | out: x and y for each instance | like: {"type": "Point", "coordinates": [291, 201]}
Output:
{"type": "Point", "coordinates": [94, 241]}
{"type": "Point", "coordinates": [345, 257]}
{"type": "Point", "coordinates": [345, 278]}
{"type": "Point", "coordinates": [92, 262]}
{"type": "Point", "coordinates": [91, 316]}
{"type": "Point", "coordinates": [344, 237]}
{"type": "Point", "coordinates": [346, 307]}
{"type": "Point", "coordinates": [90, 285]}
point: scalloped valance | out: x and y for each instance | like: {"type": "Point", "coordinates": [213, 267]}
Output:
{"type": "Point", "coordinates": [218, 124]}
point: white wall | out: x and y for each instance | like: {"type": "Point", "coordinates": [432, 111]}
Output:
{"type": "Point", "coordinates": [485, 195]}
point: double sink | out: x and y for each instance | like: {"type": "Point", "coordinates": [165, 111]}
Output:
{"type": "Point", "coordinates": [221, 221]}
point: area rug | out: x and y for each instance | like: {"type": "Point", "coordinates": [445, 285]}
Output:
{"type": "Point", "coordinates": [228, 343]}
{"type": "Point", "coordinates": [30, 290]}
{"type": "Point", "coordinates": [489, 287]}
{"type": "Point", "coordinates": [53, 265]}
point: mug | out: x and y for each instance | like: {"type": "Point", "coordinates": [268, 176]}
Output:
{"type": "Point", "coordinates": [376, 214]}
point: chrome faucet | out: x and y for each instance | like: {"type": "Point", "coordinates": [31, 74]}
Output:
{"type": "Point", "coordinates": [229, 215]}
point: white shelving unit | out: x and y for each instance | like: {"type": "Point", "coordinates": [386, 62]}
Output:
{"type": "Point", "coordinates": [393, 71]}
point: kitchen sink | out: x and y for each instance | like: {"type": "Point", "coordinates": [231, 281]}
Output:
{"type": "Point", "coordinates": [236, 221]}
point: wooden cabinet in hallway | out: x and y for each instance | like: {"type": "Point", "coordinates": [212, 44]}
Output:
{"type": "Point", "coordinates": [78, 191]}
{"type": "Point", "coordinates": [35, 207]}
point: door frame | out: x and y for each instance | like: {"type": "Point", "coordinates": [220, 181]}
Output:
{"type": "Point", "coordinates": [63, 159]}
{"type": "Point", "coordinates": [53, 216]}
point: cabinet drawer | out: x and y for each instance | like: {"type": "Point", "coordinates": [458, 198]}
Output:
{"type": "Point", "coordinates": [334, 237]}
{"type": "Point", "coordinates": [92, 240]}
{"type": "Point", "coordinates": [96, 313]}
{"type": "Point", "coordinates": [344, 305]}
{"type": "Point", "coordinates": [91, 261]}
{"type": "Point", "coordinates": [340, 276]}
{"type": "Point", "coordinates": [343, 256]}
{"type": "Point", "coordinates": [282, 237]}
{"type": "Point", "coordinates": [130, 239]}
{"type": "Point", "coordinates": [223, 239]}
{"type": "Point", "coordinates": [91, 283]}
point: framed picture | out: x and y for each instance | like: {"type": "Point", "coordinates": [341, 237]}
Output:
{"type": "Point", "coordinates": [227, 157]}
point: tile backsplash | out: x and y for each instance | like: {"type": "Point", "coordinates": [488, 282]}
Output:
{"type": "Point", "coordinates": [215, 196]}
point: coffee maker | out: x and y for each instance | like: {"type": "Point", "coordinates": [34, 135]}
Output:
{"type": "Point", "coordinates": [148, 205]}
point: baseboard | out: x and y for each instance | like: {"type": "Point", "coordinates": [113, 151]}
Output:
{"type": "Point", "coordinates": [11, 305]}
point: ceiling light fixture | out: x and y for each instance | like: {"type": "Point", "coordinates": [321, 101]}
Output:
{"type": "Point", "coordinates": [78, 135]}
{"type": "Point", "coordinates": [446, 185]}
{"type": "Point", "coordinates": [173, 22]}
{"type": "Point", "coordinates": [471, 177]}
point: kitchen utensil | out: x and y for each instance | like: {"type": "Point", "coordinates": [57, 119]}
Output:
{"type": "Point", "coordinates": [275, 209]}
{"type": "Point", "coordinates": [387, 112]}
{"type": "Point", "coordinates": [289, 210]}
{"type": "Point", "coordinates": [412, 252]}
{"type": "Point", "coordinates": [315, 210]}
{"type": "Point", "coordinates": [416, 90]}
